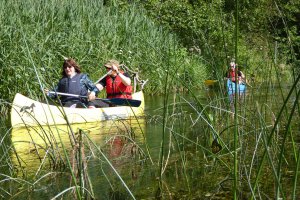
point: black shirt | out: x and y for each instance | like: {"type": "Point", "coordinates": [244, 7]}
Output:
{"type": "Point", "coordinates": [103, 81]}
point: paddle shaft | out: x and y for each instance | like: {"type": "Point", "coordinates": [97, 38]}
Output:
{"type": "Point", "coordinates": [114, 101]}
{"type": "Point", "coordinates": [100, 79]}
{"type": "Point", "coordinates": [69, 95]}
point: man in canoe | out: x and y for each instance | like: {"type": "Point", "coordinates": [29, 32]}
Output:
{"type": "Point", "coordinates": [76, 83]}
{"type": "Point", "coordinates": [117, 83]}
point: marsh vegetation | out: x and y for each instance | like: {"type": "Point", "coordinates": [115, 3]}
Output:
{"type": "Point", "coordinates": [191, 144]}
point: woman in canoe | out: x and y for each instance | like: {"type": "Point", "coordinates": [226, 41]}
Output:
{"type": "Point", "coordinates": [77, 83]}
{"type": "Point", "coordinates": [117, 83]}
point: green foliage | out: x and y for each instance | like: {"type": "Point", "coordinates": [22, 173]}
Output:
{"type": "Point", "coordinates": [197, 24]}
{"type": "Point", "coordinates": [35, 35]}
{"type": "Point", "coordinates": [286, 23]}
{"type": "Point", "coordinates": [210, 27]}
{"type": "Point", "coordinates": [193, 39]}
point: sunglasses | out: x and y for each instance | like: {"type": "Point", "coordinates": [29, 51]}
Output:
{"type": "Point", "coordinates": [68, 67]}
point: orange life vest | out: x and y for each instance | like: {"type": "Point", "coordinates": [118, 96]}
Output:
{"type": "Point", "coordinates": [116, 89]}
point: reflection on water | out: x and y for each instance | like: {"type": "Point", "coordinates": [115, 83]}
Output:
{"type": "Point", "coordinates": [109, 151]}
{"type": "Point", "coordinates": [189, 169]}
{"type": "Point", "coordinates": [41, 147]}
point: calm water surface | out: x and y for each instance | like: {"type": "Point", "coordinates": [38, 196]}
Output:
{"type": "Point", "coordinates": [134, 149]}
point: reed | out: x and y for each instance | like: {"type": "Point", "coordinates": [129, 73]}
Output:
{"type": "Point", "coordinates": [76, 164]}
{"type": "Point", "coordinates": [256, 121]}
{"type": "Point", "coordinates": [75, 157]}
{"type": "Point", "coordinates": [260, 123]}
{"type": "Point", "coordinates": [248, 150]}
{"type": "Point", "coordinates": [40, 33]}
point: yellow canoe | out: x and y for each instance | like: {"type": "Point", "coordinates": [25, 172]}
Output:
{"type": "Point", "coordinates": [210, 82]}
{"type": "Point", "coordinates": [26, 111]}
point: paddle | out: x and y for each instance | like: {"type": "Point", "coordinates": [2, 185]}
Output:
{"type": "Point", "coordinates": [103, 77]}
{"type": "Point", "coordinates": [114, 101]}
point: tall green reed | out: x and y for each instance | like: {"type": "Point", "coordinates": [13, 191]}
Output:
{"type": "Point", "coordinates": [54, 29]}
{"type": "Point", "coordinates": [236, 98]}
{"type": "Point", "coordinates": [75, 159]}
{"type": "Point", "coordinates": [92, 36]}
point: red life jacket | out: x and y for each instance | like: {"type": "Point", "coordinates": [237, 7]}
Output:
{"type": "Point", "coordinates": [231, 74]}
{"type": "Point", "coordinates": [116, 89]}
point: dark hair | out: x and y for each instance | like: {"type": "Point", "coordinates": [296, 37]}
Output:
{"type": "Point", "coordinates": [70, 62]}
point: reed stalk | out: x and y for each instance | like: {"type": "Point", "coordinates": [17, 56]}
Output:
{"type": "Point", "coordinates": [162, 145]}
{"type": "Point", "coordinates": [278, 118]}
{"type": "Point", "coordinates": [110, 164]}
{"type": "Point", "coordinates": [236, 136]}
{"type": "Point", "coordinates": [78, 192]}
{"type": "Point", "coordinates": [34, 37]}
{"type": "Point", "coordinates": [282, 148]}
{"type": "Point", "coordinates": [296, 174]}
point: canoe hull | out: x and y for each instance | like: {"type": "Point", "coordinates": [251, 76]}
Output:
{"type": "Point", "coordinates": [26, 111]}
{"type": "Point", "coordinates": [210, 82]}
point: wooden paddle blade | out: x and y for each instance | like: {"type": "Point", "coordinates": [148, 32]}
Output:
{"type": "Point", "coordinates": [123, 102]}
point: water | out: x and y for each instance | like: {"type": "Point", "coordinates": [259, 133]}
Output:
{"type": "Point", "coordinates": [134, 148]}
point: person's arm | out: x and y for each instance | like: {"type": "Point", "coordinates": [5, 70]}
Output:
{"type": "Point", "coordinates": [51, 95]}
{"type": "Point", "coordinates": [244, 79]}
{"type": "Point", "coordinates": [125, 79]}
{"type": "Point", "coordinates": [91, 87]}
{"type": "Point", "coordinates": [101, 84]}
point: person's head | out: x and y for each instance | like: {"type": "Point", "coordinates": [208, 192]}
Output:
{"type": "Point", "coordinates": [232, 65]}
{"type": "Point", "coordinates": [70, 67]}
{"type": "Point", "coordinates": [109, 64]}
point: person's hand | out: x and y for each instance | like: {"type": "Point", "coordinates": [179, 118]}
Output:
{"type": "Point", "coordinates": [115, 69]}
{"type": "Point", "coordinates": [91, 96]}
{"type": "Point", "coordinates": [46, 91]}
{"type": "Point", "coordinates": [99, 86]}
